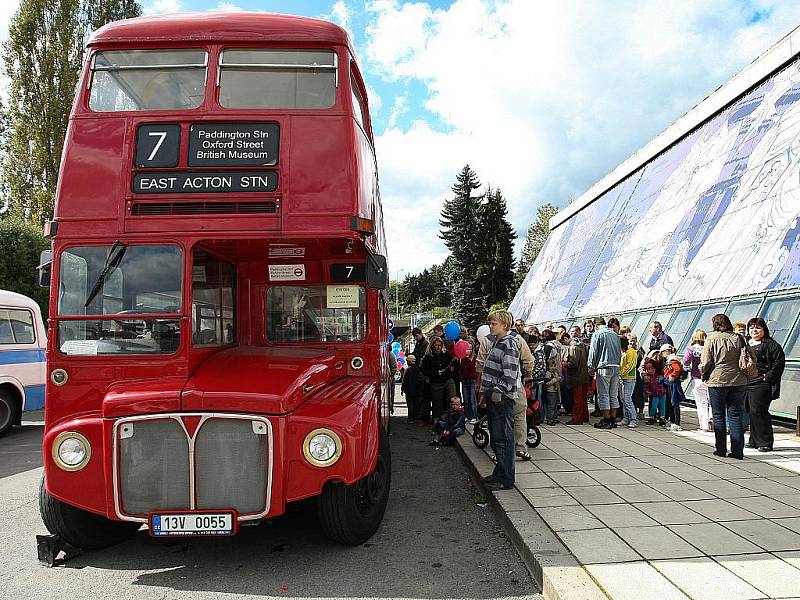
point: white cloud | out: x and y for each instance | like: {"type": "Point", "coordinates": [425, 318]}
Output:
{"type": "Point", "coordinates": [159, 7]}
{"type": "Point", "coordinates": [340, 14]}
{"type": "Point", "coordinates": [227, 6]}
{"type": "Point", "coordinates": [375, 100]}
{"type": "Point", "coordinates": [543, 99]}
{"type": "Point", "coordinates": [398, 108]}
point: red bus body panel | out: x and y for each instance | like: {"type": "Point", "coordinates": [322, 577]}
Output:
{"type": "Point", "coordinates": [326, 176]}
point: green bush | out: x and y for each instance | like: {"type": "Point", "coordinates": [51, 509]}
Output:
{"type": "Point", "coordinates": [20, 247]}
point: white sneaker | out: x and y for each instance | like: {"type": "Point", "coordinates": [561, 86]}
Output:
{"type": "Point", "coordinates": [675, 427]}
{"type": "Point", "coordinates": [633, 424]}
{"type": "Point", "coordinates": [624, 422]}
{"type": "Point", "coordinates": [473, 421]}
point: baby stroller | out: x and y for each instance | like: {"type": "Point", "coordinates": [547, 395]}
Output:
{"type": "Point", "coordinates": [480, 433]}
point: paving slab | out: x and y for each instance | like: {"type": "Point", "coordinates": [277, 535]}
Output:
{"type": "Point", "coordinates": [681, 491]}
{"type": "Point", "coordinates": [768, 534]}
{"type": "Point", "coordinates": [635, 581]}
{"type": "Point", "coordinates": [661, 461]}
{"type": "Point", "coordinates": [669, 513]}
{"type": "Point", "coordinates": [571, 518]}
{"type": "Point", "coordinates": [593, 494]}
{"type": "Point", "coordinates": [718, 510]}
{"type": "Point", "coordinates": [554, 465]}
{"type": "Point", "coordinates": [637, 492]}
{"type": "Point", "coordinates": [572, 478]}
{"type": "Point", "coordinates": [533, 480]}
{"type": "Point", "coordinates": [790, 480]}
{"type": "Point", "coordinates": [690, 473]}
{"type": "Point", "coordinates": [792, 523]}
{"type": "Point", "coordinates": [767, 487]}
{"type": "Point", "coordinates": [704, 579]}
{"type": "Point", "coordinates": [790, 499]}
{"type": "Point", "coordinates": [793, 558]}
{"type": "Point", "coordinates": [590, 464]}
{"type": "Point", "coordinates": [722, 488]}
{"type": "Point", "coordinates": [652, 475]}
{"type": "Point", "coordinates": [612, 476]}
{"type": "Point", "coordinates": [540, 498]}
{"type": "Point", "coordinates": [596, 546]}
{"type": "Point", "coordinates": [621, 515]}
{"type": "Point", "coordinates": [657, 542]}
{"type": "Point", "coordinates": [713, 539]}
{"type": "Point", "coordinates": [766, 572]}
{"type": "Point", "coordinates": [766, 507]}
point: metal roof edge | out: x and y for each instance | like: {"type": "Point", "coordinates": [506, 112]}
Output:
{"type": "Point", "coordinates": [776, 57]}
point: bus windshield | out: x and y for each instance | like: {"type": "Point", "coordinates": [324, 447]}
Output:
{"type": "Point", "coordinates": [134, 80]}
{"type": "Point", "coordinates": [316, 313]}
{"type": "Point", "coordinates": [146, 279]}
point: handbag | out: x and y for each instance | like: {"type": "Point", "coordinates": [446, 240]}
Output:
{"type": "Point", "coordinates": [747, 365]}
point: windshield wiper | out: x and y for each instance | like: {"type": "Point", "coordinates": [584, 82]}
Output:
{"type": "Point", "coordinates": [113, 259]}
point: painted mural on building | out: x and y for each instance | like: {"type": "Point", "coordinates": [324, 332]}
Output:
{"type": "Point", "coordinates": [715, 215]}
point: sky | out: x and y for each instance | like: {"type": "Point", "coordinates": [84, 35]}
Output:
{"type": "Point", "coordinates": [541, 99]}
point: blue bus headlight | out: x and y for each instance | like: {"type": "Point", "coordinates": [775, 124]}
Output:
{"type": "Point", "coordinates": [322, 447]}
{"type": "Point", "coordinates": [71, 451]}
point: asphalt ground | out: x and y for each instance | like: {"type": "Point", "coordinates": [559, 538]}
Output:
{"type": "Point", "coordinates": [437, 540]}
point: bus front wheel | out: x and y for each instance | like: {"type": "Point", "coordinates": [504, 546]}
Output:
{"type": "Point", "coordinates": [351, 514]}
{"type": "Point", "coordinates": [80, 528]}
{"type": "Point", "coordinates": [9, 408]}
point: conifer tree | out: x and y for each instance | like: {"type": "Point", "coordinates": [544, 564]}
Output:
{"type": "Point", "coordinates": [459, 230]}
{"type": "Point", "coordinates": [534, 241]}
{"type": "Point", "coordinates": [42, 59]}
{"type": "Point", "coordinates": [495, 265]}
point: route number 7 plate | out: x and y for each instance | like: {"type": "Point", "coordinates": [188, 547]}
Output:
{"type": "Point", "coordinates": [165, 524]}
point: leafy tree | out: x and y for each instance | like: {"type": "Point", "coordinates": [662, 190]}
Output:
{"type": "Point", "coordinates": [20, 247]}
{"type": "Point", "coordinates": [534, 241]}
{"type": "Point", "coordinates": [459, 230]}
{"type": "Point", "coordinates": [42, 58]}
{"type": "Point", "coordinates": [495, 266]}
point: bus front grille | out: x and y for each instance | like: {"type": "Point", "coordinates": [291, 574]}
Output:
{"type": "Point", "coordinates": [225, 464]}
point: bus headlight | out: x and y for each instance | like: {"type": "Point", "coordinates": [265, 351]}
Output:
{"type": "Point", "coordinates": [322, 447]}
{"type": "Point", "coordinates": [71, 451]}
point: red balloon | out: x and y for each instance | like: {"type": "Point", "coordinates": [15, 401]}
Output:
{"type": "Point", "coordinates": [461, 348]}
{"type": "Point", "coordinates": [401, 355]}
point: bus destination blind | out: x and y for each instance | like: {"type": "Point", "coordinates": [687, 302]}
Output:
{"type": "Point", "coordinates": [206, 182]}
{"type": "Point", "coordinates": [233, 144]}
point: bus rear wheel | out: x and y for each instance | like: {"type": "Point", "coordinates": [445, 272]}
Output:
{"type": "Point", "coordinates": [80, 528]}
{"type": "Point", "coordinates": [351, 514]}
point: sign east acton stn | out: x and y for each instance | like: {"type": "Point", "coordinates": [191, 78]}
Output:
{"type": "Point", "coordinates": [172, 182]}
{"type": "Point", "coordinates": [233, 145]}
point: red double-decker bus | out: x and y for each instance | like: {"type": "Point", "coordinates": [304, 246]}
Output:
{"type": "Point", "coordinates": [218, 285]}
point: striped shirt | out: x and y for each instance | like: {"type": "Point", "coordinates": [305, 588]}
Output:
{"type": "Point", "coordinates": [501, 370]}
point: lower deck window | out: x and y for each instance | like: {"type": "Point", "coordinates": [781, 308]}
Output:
{"type": "Point", "coordinates": [320, 313]}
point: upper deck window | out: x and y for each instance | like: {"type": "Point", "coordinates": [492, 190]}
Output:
{"type": "Point", "coordinates": [133, 80]}
{"type": "Point", "coordinates": [259, 78]}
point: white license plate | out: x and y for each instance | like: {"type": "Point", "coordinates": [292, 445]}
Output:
{"type": "Point", "coordinates": [166, 524]}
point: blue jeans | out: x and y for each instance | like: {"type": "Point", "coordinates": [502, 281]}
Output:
{"type": "Point", "coordinates": [501, 432]}
{"type": "Point", "coordinates": [629, 410]}
{"type": "Point", "coordinates": [469, 398]}
{"type": "Point", "coordinates": [728, 401]}
{"type": "Point", "coordinates": [608, 387]}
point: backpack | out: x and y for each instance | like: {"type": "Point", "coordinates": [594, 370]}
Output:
{"type": "Point", "coordinates": [539, 364]}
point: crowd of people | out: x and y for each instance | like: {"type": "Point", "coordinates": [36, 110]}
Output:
{"type": "Point", "coordinates": [734, 373]}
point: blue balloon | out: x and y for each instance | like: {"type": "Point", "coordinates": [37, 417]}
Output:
{"type": "Point", "coordinates": [391, 337]}
{"type": "Point", "coordinates": [452, 330]}
{"type": "Point", "coordinates": [395, 351]}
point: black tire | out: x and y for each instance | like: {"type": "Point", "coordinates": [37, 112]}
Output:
{"type": "Point", "coordinates": [80, 528]}
{"type": "Point", "coordinates": [351, 514]}
{"type": "Point", "coordinates": [480, 437]}
{"type": "Point", "coordinates": [534, 437]}
{"type": "Point", "coordinates": [9, 411]}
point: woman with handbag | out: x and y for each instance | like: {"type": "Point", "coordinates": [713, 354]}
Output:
{"type": "Point", "coordinates": [725, 355]}
{"type": "Point", "coordinates": [764, 384]}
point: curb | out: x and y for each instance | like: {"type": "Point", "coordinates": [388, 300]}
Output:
{"type": "Point", "coordinates": [554, 569]}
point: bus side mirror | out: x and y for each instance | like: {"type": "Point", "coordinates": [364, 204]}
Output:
{"type": "Point", "coordinates": [45, 261]}
{"type": "Point", "coordinates": [377, 272]}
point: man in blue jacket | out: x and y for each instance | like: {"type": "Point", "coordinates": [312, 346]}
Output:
{"type": "Point", "coordinates": [605, 354]}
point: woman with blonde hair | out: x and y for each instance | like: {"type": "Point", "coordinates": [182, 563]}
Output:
{"type": "Point", "coordinates": [691, 363]}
